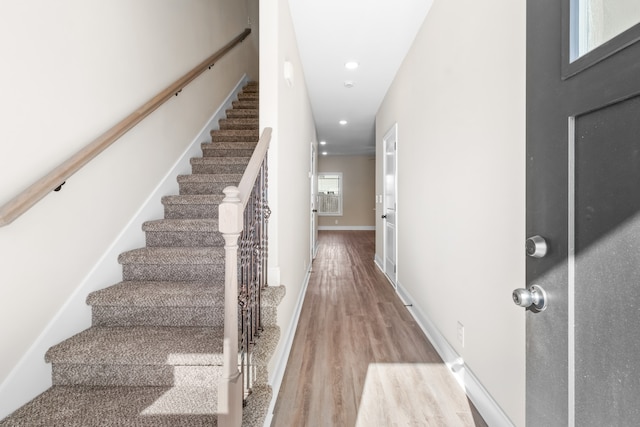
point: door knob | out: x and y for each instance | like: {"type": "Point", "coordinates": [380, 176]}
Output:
{"type": "Point", "coordinates": [314, 210]}
{"type": "Point", "coordinates": [383, 217]}
{"type": "Point", "coordinates": [534, 297]}
{"type": "Point", "coordinates": [536, 246]}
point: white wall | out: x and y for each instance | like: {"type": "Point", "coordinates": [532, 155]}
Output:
{"type": "Point", "coordinates": [287, 110]}
{"type": "Point", "coordinates": [459, 101]}
{"type": "Point", "coordinates": [72, 69]}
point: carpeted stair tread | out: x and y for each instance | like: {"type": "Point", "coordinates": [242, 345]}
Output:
{"type": "Point", "coordinates": [203, 225]}
{"type": "Point", "coordinates": [141, 345]}
{"type": "Point", "coordinates": [193, 199]}
{"type": "Point", "coordinates": [210, 177]}
{"type": "Point", "coordinates": [257, 406]}
{"type": "Point", "coordinates": [158, 294]}
{"type": "Point", "coordinates": [81, 406]}
{"type": "Point", "coordinates": [172, 255]}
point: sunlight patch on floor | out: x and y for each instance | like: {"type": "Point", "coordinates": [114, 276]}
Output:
{"type": "Point", "coordinates": [412, 394]}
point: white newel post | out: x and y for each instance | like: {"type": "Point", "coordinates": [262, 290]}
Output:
{"type": "Point", "coordinates": [230, 390]}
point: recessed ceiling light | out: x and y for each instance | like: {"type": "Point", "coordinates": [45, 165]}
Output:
{"type": "Point", "coordinates": [349, 84]}
{"type": "Point", "coordinates": [343, 122]}
{"type": "Point", "coordinates": [324, 153]}
{"type": "Point", "coordinates": [351, 65]}
{"type": "Point", "coordinates": [323, 142]}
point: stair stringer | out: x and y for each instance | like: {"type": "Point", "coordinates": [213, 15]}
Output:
{"type": "Point", "coordinates": [32, 375]}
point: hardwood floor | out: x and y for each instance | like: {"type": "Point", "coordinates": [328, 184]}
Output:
{"type": "Point", "coordinates": [358, 357]}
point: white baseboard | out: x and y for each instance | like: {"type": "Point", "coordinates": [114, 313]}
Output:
{"type": "Point", "coordinates": [275, 378]}
{"type": "Point", "coordinates": [32, 375]}
{"type": "Point", "coordinates": [347, 227]}
{"type": "Point", "coordinates": [378, 262]}
{"type": "Point", "coordinates": [486, 405]}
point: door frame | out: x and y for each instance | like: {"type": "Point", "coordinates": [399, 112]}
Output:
{"type": "Point", "coordinates": [391, 134]}
{"type": "Point", "coordinates": [313, 181]}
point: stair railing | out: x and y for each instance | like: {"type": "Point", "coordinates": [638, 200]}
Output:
{"type": "Point", "coordinates": [243, 217]}
{"type": "Point", "coordinates": [54, 179]}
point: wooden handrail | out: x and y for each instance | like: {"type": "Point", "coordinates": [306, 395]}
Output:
{"type": "Point", "coordinates": [253, 168]}
{"type": "Point", "coordinates": [34, 193]}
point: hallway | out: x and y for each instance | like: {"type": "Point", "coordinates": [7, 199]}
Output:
{"type": "Point", "coordinates": [358, 357]}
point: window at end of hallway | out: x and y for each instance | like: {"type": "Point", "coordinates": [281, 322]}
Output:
{"type": "Point", "coordinates": [330, 194]}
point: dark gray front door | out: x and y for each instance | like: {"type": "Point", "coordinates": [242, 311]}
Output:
{"type": "Point", "coordinates": [583, 198]}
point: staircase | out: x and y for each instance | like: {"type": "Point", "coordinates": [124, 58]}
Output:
{"type": "Point", "coordinates": [153, 354]}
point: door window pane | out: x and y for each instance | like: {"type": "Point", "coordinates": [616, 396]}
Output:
{"type": "Point", "coordinates": [598, 21]}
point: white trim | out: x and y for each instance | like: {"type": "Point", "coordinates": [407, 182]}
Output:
{"type": "Point", "coordinates": [273, 276]}
{"type": "Point", "coordinates": [486, 405]}
{"type": "Point", "coordinates": [571, 275]}
{"type": "Point", "coordinates": [275, 378]}
{"type": "Point", "coordinates": [31, 376]}
{"type": "Point", "coordinates": [378, 261]}
{"type": "Point", "coordinates": [347, 227]}
{"type": "Point", "coordinates": [391, 135]}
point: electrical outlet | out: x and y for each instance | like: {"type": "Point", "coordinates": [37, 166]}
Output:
{"type": "Point", "coordinates": [336, 221]}
{"type": "Point", "coordinates": [461, 333]}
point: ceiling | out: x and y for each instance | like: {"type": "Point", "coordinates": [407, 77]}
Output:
{"type": "Point", "coordinates": [377, 35]}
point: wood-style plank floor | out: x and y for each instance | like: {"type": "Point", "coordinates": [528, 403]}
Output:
{"type": "Point", "coordinates": [358, 357]}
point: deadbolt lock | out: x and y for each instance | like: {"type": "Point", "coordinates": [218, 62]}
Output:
{"type": "Point", "coordinates": [536, 247]}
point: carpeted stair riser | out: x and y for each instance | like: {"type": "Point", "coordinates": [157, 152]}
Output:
{"type": "Point", "coordinates": [239, 124]}
{"type": "Point", "coordinates": [153, 316]}
{"type": "Point", "coordinates": [234, 136]}
{"type": "Point", "coordinates": [192, 206]}
{"type": "Point", "coordinates": [172, 272]}
{"type": "Point", "coordinates": [170, 304]}
{"type": "Point", "coordinates": [228, 149]}
{"type": "Point", "coordinates": [173, 264]}
{"type": "Point", "coordinates": [207, 183]}
{"type": "Point", "coordinates": [184, 239]}
{"type": "Point", "coordinates": [229, 165]}
{"type": "Point", "coordinates": [135, 375]}
{"type": "Point", "coordinates": [134, 303]}
{"type": "Point", "coordinates": [183, 233]}
{"type": "Point", "coordinates": [249, 92]}
{"type": "Point", "coordinates": [81, 406]}
{"type": "Point", "coordinates": [138, 356]}
{"type": "Point", "coordinates": [245, 105]}
{"type": "Point", "coordinates": [241, 113]}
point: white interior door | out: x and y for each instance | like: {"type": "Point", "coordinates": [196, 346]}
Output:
{"type": "Point", "coordinates": [390, 143]}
